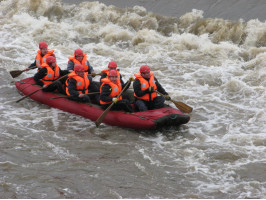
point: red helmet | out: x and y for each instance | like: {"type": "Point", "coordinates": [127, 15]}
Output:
{"type": "Point", "coordinates": [112, 73]}
{"type": "Point", "coordinates": [112, 64]}
{"type": "Point", "coordinates": [79, 68]}
{"type": "Point", "coordinates": [78, 52]}
{"type": "Point", "coordinates": [144, 69]}
{"type": "Point", "coordinates": [43, 45]}
{"type": "Point", "coordinates": [50, 59]}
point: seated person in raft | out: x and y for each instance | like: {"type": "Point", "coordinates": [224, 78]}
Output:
{"type": "Point", "coordinates": [111, 87]}
{"type": "Point", "coordinates": [49, 73]}
{"type": "Point", "coordinates": [80, 58]}
{"type": "Point", "coordinates": [41, 56]}
{"type": "Point", "coordinates": [111, 66]}
{"type": "Point", "coordinates": [79, 85]}
{"type": "Point", "coordinates": [145, 86]}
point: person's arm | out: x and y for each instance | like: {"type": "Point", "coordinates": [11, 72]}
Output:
{"type": "Point", "coordinates": [137, 88]}
{"type": "Point", "coordinates": [106, 91]}
{"type": "Point", "coordinates": [39, 75]}
{"type": "Point", "coordinates": [159, 87]}
{"type": "Point", "coordinates": [70, 66]}
{"type": "Point", "coordinates": [72, 89]}
{"type": "Point", "coordinates": [38, 65]}
{"type": "Point", "coordinates": [91, 70]}
{"type": "Point", "coordinates": [122, 82]}
{"type": "Point", "coordinates": [63, 72]}
{"type": "Point", "coordinates": [104, 75]}
{"type": "Point", "coordinates": [32, 65]}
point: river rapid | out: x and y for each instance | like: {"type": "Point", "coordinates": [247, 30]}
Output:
{"type": "Point", "coordinates": [215, 65]}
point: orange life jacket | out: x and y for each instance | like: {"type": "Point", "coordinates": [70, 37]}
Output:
{"type": "Point", "coordinates": [82, 84]}
{"type": "Point", "coordinates": [107, 72]}
{"type": "Point", "coordinates": [42, 59]}
{"type": "Point", "coordinates": [51, 74]}
{"type": "Point", "coordinates": [116, 89]}
{"type": "Point", "coordinates": [145, 85]}
{"type": "Point", "coordinates": [83, 62]}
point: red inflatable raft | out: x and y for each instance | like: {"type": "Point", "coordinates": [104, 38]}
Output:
{"type": "Point", "coordinates": [151, 119]}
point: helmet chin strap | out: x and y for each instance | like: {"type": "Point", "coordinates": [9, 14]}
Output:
{"type": "Point", "coordinates": [51, 65]}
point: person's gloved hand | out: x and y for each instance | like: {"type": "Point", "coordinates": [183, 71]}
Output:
{"type": "Point", "coordinates": [81, 95]}
{"type": "Point", "coordinates": [131, 78]}
{"type": "Point", "coordinates": [167, 97]}
{"type": "Point", "coordinates": [93, 74]}
{"type": "Point", "coordinates": [115, 100]}
{"type": "Point", "coordinates": [151, 89]}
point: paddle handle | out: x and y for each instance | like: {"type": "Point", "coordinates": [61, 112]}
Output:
{"type": "Point", "coordinates": [30, 68]}
{"type": "Point", "coordinates": [95, 74]}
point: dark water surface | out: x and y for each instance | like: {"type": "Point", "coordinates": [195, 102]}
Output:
{"type": "Point", "coordinates": [226, 9]}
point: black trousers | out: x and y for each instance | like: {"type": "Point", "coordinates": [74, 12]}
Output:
{"type": "Point", "coordinates": [86, 98]}
{"type": "Point", "coordinates": [55, 86]}
{"type": "Point", "coordinates": [158, 102]}
{"type": "Point", "coordinates": [94, 98]}
{"type": "Point", "coordinates": [120, 105]}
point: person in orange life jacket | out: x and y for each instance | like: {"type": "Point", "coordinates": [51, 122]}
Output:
{"type": "Point", "coordinates": [112, 66]}
{"type": "Point", "coordinates": [79, 58]}
{"type": "Point", "coordinates": [79, 84]}
{"type": "Point", "coordinates": [48, 74]}
{"type": "Point", "coordinates": [111, 87]}
{"type": "Point", "coordinates": [41, 56]}
{"type": "Point", "coordinates": [144, 87]}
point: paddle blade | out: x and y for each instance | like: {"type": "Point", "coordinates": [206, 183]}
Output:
{"type": "Point", "coordinates": [101, 118]}
{"type": "Point", "coordinates": [182, 106]}
{"type": "Point", "coordinates": [16, 73]}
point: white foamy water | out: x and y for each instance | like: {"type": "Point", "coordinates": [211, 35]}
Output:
{"type": "Point", "coordinates": [214, 65]}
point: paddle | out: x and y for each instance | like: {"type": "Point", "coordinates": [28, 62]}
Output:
{"type": "Point", "coordinates": [180, 105]}
{"type": "Point", "coordinates": [100, 119]}
{"type": "Point", "coordinates": [16, 73]}
{"type": "Point", "coordinates": [71, 96]}
{"type": "Point", "coordinates": [40, 89]}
